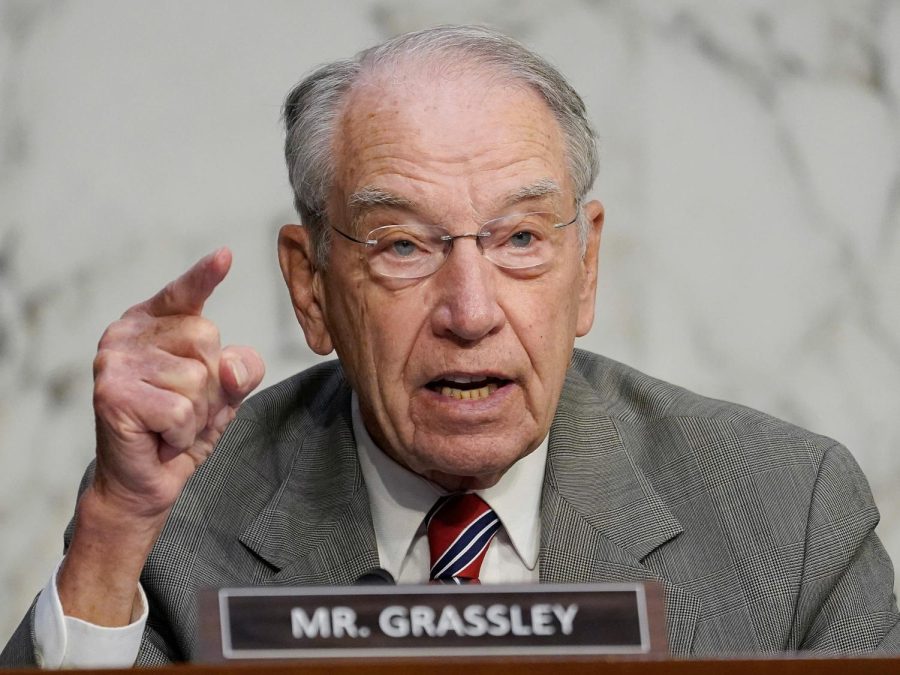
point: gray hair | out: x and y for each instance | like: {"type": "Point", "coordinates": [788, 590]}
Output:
{"type": "Point", "coordinates": [312, 109]}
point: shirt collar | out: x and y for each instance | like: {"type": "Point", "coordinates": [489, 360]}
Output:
{"type": "Point", "coordinates": [399, 499]}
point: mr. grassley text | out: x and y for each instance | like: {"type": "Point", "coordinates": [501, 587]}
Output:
{"type": "Point", "coordinates": [398, 621]}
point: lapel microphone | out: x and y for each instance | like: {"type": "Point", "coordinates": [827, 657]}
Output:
{"type": "Point", "coordinates": [377, 576]}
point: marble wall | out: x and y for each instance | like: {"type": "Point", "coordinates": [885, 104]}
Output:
{"type": "Point", "coordinates": [751, 173]}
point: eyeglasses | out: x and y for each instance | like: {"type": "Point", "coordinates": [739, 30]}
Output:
{"type": "Point", "coordinates": [519, 241]}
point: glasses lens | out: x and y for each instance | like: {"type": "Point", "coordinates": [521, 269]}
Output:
{"type": "Point", "coordinates": [406, 251]}
{"type": "Point", "coordinates": [521, 240]}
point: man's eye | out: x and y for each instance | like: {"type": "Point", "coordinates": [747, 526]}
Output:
{"type": "Point", "coordinates": [521, 239]}
{"type": "Point", "coordinates": [403, 248]}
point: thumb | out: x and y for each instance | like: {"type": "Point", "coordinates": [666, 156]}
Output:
{"type": "Point", "coordinates": [241, 369]}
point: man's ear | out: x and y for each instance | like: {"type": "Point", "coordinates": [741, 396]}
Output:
{"type": "Point", "coordinates": [587, 296]}
{"type": "Point", "coordinates": [297, 258]}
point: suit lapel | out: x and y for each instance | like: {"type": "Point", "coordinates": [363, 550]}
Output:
{"type": "Point", "coordinates": [317, 527]}
{"type": "Point", "coordinates": [600, 515]}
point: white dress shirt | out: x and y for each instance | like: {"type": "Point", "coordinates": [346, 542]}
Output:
{"type": "Point", "coordinates": [398, 499]}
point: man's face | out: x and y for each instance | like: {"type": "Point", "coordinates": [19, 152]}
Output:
{"type": "Point", "coordinates": [455, 153]}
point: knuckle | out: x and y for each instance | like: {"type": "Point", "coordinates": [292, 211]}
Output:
{"type": "Point", "coordinates": [115, 333]}
{"type": "Point", "coordinates": [102, 392]}
{"type": "Point", "coordinates": [108, 393]}
{"type": "Point", "coordinates": [101, 363]}
{"type": "Point", "coordinates": [208, 332]}
{"type": "Point", "coordinates": [127, 333]}
{"type": "Point", "coordinates": [181, 412]}
{"type": "Point", "coordinates": [200, 332]}
{"type": "Point", "coordinates": [196, 375]}
{"type": "Point", "coordinates": [169, 294]}
{"type": "Point", "coordinates": [106, 361]}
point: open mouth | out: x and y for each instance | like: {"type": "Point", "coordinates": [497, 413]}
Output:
{"type": "Point", "coordinates": [465, 388]}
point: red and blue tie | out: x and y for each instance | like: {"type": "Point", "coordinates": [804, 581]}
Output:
{"type": "Point", "coordinates": [460, 528]}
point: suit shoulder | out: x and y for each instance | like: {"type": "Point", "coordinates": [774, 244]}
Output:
{"type": "Point", "coordinates": [272, 426]}
{"type": "Point", "coordinates": [313, 393]}
{"type": "Point", "coordinates": [638, 401]}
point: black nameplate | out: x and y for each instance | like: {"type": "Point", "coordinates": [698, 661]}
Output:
{"type": "Point", "coordinates": [400, 621]}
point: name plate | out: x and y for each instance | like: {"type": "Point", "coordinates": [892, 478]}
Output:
{"type": "Point", "coordinates": [436, 620]}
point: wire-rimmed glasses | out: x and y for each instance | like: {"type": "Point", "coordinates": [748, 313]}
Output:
{"type": "Point", "coordinates": [518, 241]}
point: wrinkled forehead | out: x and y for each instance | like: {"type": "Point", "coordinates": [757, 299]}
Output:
{"type": "Point", "coordinates": [448, 124]}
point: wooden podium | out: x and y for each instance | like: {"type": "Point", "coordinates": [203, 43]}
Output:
{"type": "Point", "coordinates": [562, 665]}
{"type": "Point", "coordinates": [263, 610]}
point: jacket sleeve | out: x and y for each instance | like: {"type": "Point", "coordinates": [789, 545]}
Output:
{"type": "Point", "coordinates": [846, 601]}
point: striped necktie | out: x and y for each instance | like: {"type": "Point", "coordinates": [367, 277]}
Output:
{"type": "Point", "coordinates": [460, 528]}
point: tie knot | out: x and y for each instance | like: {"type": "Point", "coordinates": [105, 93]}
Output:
{"type": "Point", "coordinates": [460, 528]}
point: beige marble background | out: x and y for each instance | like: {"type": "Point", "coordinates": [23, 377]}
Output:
{"type": "Point", "coordinates": [751, 172]}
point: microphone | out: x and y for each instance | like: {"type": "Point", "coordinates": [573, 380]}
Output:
{"type": "Point", "coordinates": [377, 576]}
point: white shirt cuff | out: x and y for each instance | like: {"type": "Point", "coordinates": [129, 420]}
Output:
{"type": "Point", "coordinates": [66, 642]}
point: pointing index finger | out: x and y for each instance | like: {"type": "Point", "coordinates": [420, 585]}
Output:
{"type": "Point", "coordinates": [188, 293]}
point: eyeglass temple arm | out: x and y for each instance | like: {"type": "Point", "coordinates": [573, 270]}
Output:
{"type": "Point", "coordinates": [367, 242]}
{"type": "Point", "coordinates": [574, 218]}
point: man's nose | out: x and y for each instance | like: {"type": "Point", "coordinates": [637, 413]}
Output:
{"type": "Point", "coordinates": [467, 307]}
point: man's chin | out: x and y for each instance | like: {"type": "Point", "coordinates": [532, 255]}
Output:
{"type": "Point", "coordinates": [454, 483]}
{"type": "Point", "coordinates": [470, 463]}
{"type": "Point", "coordinates": [464, 477]}
{"type": "Point", "coordinates": [470, 444]}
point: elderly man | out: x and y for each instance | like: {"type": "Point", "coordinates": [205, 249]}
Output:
{"type": "Point", "coordinates": [448, 254]}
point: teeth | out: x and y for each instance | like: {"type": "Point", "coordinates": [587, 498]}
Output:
{"type": "Point", "coordinates": [469, 394]}
{"type": "Point", "coordinates": [463, 379]}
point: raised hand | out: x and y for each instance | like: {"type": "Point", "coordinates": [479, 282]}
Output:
{"type": "Point", "coordinates": [164, 391]}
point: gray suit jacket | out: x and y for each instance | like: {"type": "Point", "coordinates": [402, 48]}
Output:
{"type": "Point", "coordinates": [760, 532]}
